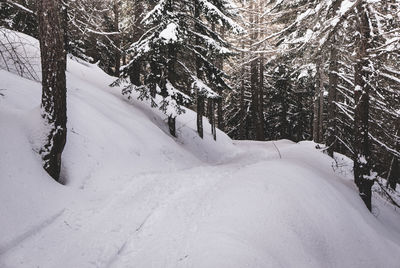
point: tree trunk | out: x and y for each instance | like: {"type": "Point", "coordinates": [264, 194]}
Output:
{"type": "Point", "coordinates": [134, 71]}
{"type": "Point", "coordinates": [361, 157]}
{"type": "Point", "coordinates": [199, 71]}
{"type": "Point", "coordinates": [220, 119]}
{"type": "Point", "coordinates": [260, 110]}
{"type": "Point", "coordinates": [242, 126]}
{"type": "Point", "coordinates": [254, 81]}
{"type": "Point", "coordinates": [171, 74]}
{"type": "Point", "coordinates": [200, 112]}
{"type": "Point", "coordinates": [394, 170]}
{"type": "Point", "coordinates": [64, 28]}
{"type": "Point", "coordinates": [317, 103]}
{"type": "Point", "coordinates": [53, 106]}
{"type": "Point", "coordinates": [331, 131]}
{"type": "Point", "coordinates": [321, 111]}
{"type": "Point", "coordinates": [211, 117]}
{"type": "Point", "coordinates": [261, 125]}
{"type": "Point", "coordinates": [172, 125]}
{"type": "Point", "coordinates": [117, 38]}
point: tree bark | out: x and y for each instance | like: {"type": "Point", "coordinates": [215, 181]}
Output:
{"type": "Point", "coordinates": [254, 80]}
{"type": "Point", "coordinates": [317, 103]}
{"type": "Point", "coordinates": [199, 71]}
{"type": "Point", "coordinates": [200, 112]}
{"type": "Point", "coordinates": [331, 131]}
{"type": "Point", "coordinates": [134, 72]}
{"type": "Point", "coordinates": [171, 74]}
{"type": "Point", "coordinates": [362, 168]}
{"type": "Point", "coordinates": [261, 125]}
{"type": "Point", "coordinates": [220, 119]}
{"type": "Point", "coordinates": [242, 126]}
{"type": "Point", "coordinates": [117, 38]}
{"type": "Point", "coordinates": [394, 170]}
{"type": "Point", "coordinates": [211, 117]}
{"type": "Point", "coordinates": [53, 106]}
{"type": "Point", "coordinates": [260, 110]}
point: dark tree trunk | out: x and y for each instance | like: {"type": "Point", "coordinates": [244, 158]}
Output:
{"type": "Point", "coordinates": [200, 112]}
{"type": "Point", "coordinates": [242, 126]}
{"type": "Point", "coordinates": [64, 27]}
{"type": "Point", "coordinates": [134, 71]}
{"type": "Point", "coordinates": [394, 170]}
{"type": "Point", "coordinates": [211, 117]}
{"type": "Point", "coordinates": [199, 71]}
{"type": "Point", "coordinates": [317, 103]}
{"type": "Point", "coordinates": [331, 131]}
{"type": "Point", "coordinates": [261, 124]}
{"type": "Point", "coordinates": [220, 119]}
{"type": "Point", "coordinates": [254, 85]}
{"type": "Point", "coordinates": [54, 108]}
{"type": "Point", "coordinates": [117, 38]}
{"type": "Point", "coordinates": [134, 74]}
{"type": "Point", "coordinates": [260, 111]}
{"type": "Point", "coordinates": [254, 82]}
{"type": "Point", "coordinates": [171, 74]}
{"type": "Point", "coordinates": [172, 125]}
{"type": "Point", "coordinates": [361, 157]}
{"type": "Point", "coordinates": [154, 75]}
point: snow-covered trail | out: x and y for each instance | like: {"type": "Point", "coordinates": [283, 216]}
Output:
{"type": "Point", "coordinates": [99, 228]}
{"type": "Point", "coordinates": [250, 211]}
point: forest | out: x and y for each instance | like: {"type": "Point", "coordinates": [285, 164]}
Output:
{"type": "Point", "coordinates": [261, 75]}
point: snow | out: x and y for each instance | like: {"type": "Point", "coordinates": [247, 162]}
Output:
{"type": "Point", "coordinates": [345, 6]}
{"type": "Point", "coordinates": [170, 33]}
{"type": "Point", "coordinates": [136, 197]}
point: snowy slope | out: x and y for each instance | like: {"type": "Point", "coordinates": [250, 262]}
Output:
{"type": "Point", "coordinates": [136, 197]}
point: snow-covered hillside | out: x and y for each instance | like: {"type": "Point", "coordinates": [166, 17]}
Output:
{"type": "Point", "coordinates": [136, 197]}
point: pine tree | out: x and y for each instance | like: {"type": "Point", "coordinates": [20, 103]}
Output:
{"type": "Point", "coordinates": [173, 25]}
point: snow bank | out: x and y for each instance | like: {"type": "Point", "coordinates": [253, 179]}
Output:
{"type": "Point", "coordinates": [137, 197]}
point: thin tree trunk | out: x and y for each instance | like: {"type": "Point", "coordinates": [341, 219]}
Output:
{"type": "Point", "coordinates": [331, 131]}
{"type": "Point", "coordinates": [321, 111]}
{"type": "Point", "coordinates": [261, 125]}
{"type": "Point", "coordinates": [317, 95]}
{"type": "Point", "coordinates": [54, 108]}
{"type": "Point", "coordinates": [394, 170]}
{"type": "Point", "coordinates": [242, 128]}
{"type": "Point", "coordinates": [200, 112]}
{"type": "Point", "coordinates": [361, 113]}
{"type": "Point", "coordinates": [254, 81]}
{"type": "Point", "coordinates": [134, 72]}
{"type": "Point", "coordinates": [171, 74]}
{"type": "Point", "coordinates": [199, 71]}
{"type": "Point", "coordinates": [260, 111]}
{"type": "Point", "coordinates": [220, 119]}
{"type": "Point", "coordinates": [117, 38]}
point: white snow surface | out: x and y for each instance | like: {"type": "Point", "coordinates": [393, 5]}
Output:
{"type": "Point", "coordinates": [136, 197]}
{"type": "Point", "coordinates": [170, 33]}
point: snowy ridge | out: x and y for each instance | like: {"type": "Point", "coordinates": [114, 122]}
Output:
{"type": "Point", "coordinates": [136, 197]}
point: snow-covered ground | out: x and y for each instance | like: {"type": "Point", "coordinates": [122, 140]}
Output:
{"type": "Point", "coordinates": [136, 197]}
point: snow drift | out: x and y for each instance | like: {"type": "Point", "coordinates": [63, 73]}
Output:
{"type": "Point", "coordinates": [136, 197]}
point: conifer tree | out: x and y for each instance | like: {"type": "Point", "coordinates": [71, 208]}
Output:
{"type": "Point", "coordinates": [179, 29]}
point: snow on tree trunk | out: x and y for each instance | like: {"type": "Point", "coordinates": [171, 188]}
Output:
{"type": "Point", "coordinates": [199, 72]}
{"type": "Point", "coordinates": [54, 110]}
{"type": "Point", "coordinates": [362, 168]}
